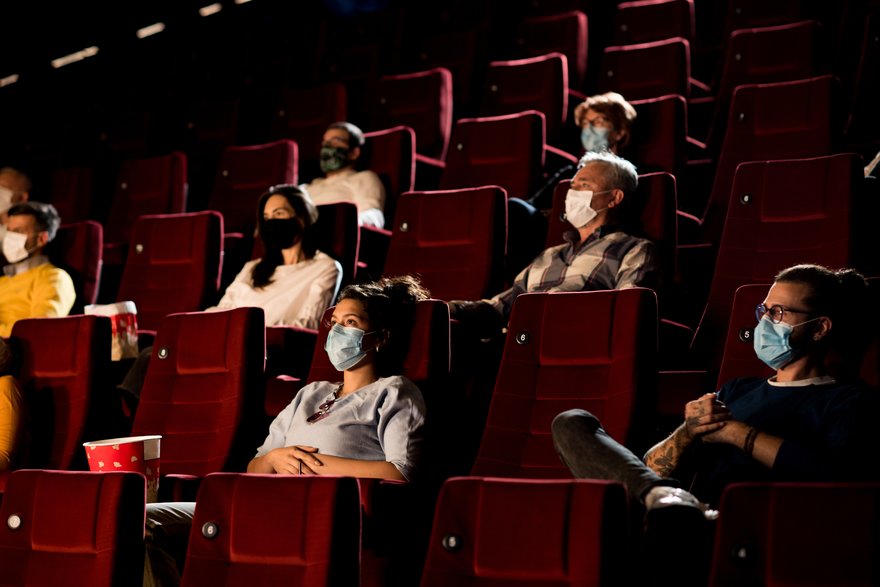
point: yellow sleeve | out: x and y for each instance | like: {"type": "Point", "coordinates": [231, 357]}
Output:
{"type": "Point", "coordinates": [53, 293]}
{"type": "Point", "coordinates": [10, 419]}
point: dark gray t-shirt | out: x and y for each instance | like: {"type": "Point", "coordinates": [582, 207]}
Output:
{"type": "Point", "coordinates": [382, 421]}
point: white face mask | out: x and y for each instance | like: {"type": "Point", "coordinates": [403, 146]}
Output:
{"type": "Point", "coordinates": [578, 210]}
{"type": "Point", "coordinates": [5, 199]}
{"type": "Point", "coordinates": [15, 247]}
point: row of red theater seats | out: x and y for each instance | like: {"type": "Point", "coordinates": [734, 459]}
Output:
{"type": "Point", "coordinates": [780, 213]}
{"type": "Point", "coordinates": [516, 440]}
{"type": "Point", "coordinates": [251, 529]}
{"type": "Point", "coordinates": [209, 368]}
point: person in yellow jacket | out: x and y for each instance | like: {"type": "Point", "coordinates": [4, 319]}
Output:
{"type": "Point", "coordinates": [10, 409]}
{"type": "Point", "coordinates": [30, 286]}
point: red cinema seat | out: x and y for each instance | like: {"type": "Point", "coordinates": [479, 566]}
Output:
{"type": "Point", "coordinates": [739, 359]}
{"type": "Point", "coordinates": [781, 213]}
{"type": "Point", "coordinates": [490, 532]}
{"type": "Point", "coordinates": [337, 234]}
{"type": "Point", "coordinates": [536, 83]}
{"type": "Point", "coordinates": [72, 192]}
{"type": "Point", "coordinates": [275, 530]}
{"type": "Point", "coordinates": [203, 391]}
{"type": "Point", "coordinates": [72, 528]}
{"type": "Point", "coordinates": [456, 259]}
{"type": "Point", "coordinates": [759, 56]}
{"type": "Point", "coordinates": [785, 120]}
{"type": "Point", "coordinates": [564, 33]}
{"type": "Point", "coordinates": [746, 14]}
{"type": "Point", "coordinates": [659, 135]}
{"type": "Point", "coordinates": [643, 21]}
{"type": "Point", "coordinates": [77, 248]}
{"type": "Point", "coordinates": [391, 154]}
{"type": "Point", "coordinates": [156, 185]}
{"type": "Point", "coordinates": [550, 365]}
{"type": "Point", "coordinates": [244, 174]}
{"type": "Point", "coordinates": [63, 362]}
{"type": "Point", "coordinates": [173, 264]}
{"type": "Point", "coordinates": [421, 101]}
{"type": "Point", "coordinates": [818, 534]}
{"type": "Point", "coordinates": [302, 116]}
{"type": "Point", "coordinates": [647, 70]}
{"type": "Point", "coordinates": [507, 151]}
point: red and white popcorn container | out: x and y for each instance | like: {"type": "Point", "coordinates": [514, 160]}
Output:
{"type": "Point", "coordinates": [123, 321]}
{"type": "Point", "coordinates": [132, 453]}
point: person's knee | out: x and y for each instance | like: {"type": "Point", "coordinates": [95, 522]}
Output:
{"type": "Point", "coordinates": [573, 422]}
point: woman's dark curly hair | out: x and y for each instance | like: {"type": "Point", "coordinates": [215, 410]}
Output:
{"type": "Point", "coordinates": [390, 305]}
{"type": "Point", "coordinates": [305, 211]}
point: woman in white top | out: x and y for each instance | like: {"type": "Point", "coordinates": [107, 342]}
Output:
{"type": "Point", "coordinates": [293, 281]}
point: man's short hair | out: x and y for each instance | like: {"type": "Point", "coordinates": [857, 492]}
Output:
{"type": "Point", "coordinates": [46, 217]}
{"type": "Point", "coordinates": [22, 181]}
{"type": "Point", "coordinates": [619, 173]}
{"type": "Point", "coordinates": [355, 135]}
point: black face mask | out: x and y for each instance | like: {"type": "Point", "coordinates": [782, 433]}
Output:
{"type": "Point", "coordinates": [281, 233]}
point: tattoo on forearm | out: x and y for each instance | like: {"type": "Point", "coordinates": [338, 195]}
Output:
{"type": "Point", "coordinates": [664, 457]}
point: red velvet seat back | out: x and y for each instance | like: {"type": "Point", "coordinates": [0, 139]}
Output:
{"type": "Point", "coordinates": [74, 528]}
{"type": "Point", "coordinates": [822, 534]}
{"type": "Point", "coordinates": [275, 530]}
{"type": "Point", "coordinates": [659, 138]}
{"type": "Point", "coordinates": [763, 55]}
{"type": "Point", "coordinates": [781, 213]}
{"type": "Point", "coordinates": [454, 240]}
{"type": "Point", "coordinates": [156, 185]}
{"type": "Point", "coordinates": [493, 532]}
{"type": "Point", "coordinates": [565, 33]}
{"type": "Point", "coordinates": [173, 264]}
{"type": "Point", "coordinates": [428, 356]}
{"type": "Point", "coordinates": [77, 248]}
{"type": "Point", "coordinates": [63, 360]}
{"type": "Point", "coordinates": [421, 101]}
{"type": "Point", "coordinates": [203, 390]}
{"type": "Point", "coordinates": [72, 192]}
{"type": "Point", "coordinates": [536, 83]}
{"type": "Point", "coordinates": [302, 115]}
{"type": "Point", "coordinates": [391, 154]}
{"type": "Point", "coordinates": [785, 120]}
{"type": "Point", "coordinates": [244, 174]}
{"type": "Point", "coordinates": [500, 150]}
{"type": "Point", "coordinates": [643, 21]}
{"type": "Point", "coordinates": [338, 235]}
{"type": "Point", "coordinates": [739, 358]}
{"type": "Point", "coordinates": [590, 350]}
{"type": "Point", "coordinates": [647, 70]}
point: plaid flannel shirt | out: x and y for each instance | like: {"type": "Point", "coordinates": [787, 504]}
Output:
{"type": "Point", "coordinates": [608, 259]}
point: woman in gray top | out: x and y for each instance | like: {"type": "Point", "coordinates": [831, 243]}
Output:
{"type": "Point", "coordinates": [369, 424]}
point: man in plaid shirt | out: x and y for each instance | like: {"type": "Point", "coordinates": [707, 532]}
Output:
{"type": "Point", "coordinates": [597, 254]}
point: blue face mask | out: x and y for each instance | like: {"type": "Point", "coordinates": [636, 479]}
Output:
{"type": "Point", "coordinates": [344, 346]}
{"type": "Point", "coordinates": [772, 342]}
{"type": "Point", "coordinates": [594, 138]}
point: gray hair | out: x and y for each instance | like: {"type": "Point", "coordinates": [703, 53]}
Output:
{"type": "Point", "coordinates": [46, 218]}
{"type": "Point", "coordinates": [619, 173]}
{"type": "Point", "coordinates": [355, 134]}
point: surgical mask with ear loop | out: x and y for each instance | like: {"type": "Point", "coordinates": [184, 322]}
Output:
{"type": "Point", "coordinates": [578, 211]}
{"type": "Point", "coordinates": [344, 346]}
{"type": "Point", "coordinates": [772, 342]}
{"type": "Point", "coordinates": [15, 247]}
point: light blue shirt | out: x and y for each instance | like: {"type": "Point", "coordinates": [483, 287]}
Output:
{"type": "Point", "coordinates": [382, 421]}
